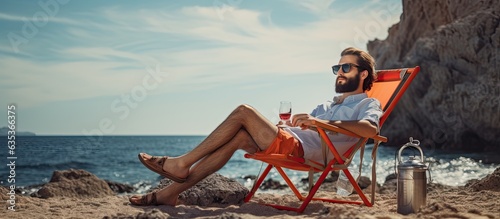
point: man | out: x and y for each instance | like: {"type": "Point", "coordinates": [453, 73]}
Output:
{"type": "Point", "coordinates": [247, 129]}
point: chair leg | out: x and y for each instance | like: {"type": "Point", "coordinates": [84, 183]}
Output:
{"type": "Point", "coordinates": [290, 184]}
{"type": "Point", "coordinates": [313, 191]}
{"type": "Point", "coordinates": [357, 188]}
{"type": "Point", "coordinates": [257, 183]}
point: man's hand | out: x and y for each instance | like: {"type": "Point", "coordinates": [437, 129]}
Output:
{"type": "Point", "coordinates": [288, 123]}
{"type": "Point", "coordinates": [304, 120]}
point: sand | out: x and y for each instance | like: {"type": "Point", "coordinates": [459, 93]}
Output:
{"type": "Point", "coordinates": [477, 199]}
{"type": "Point", "coordinates": [442, 202]}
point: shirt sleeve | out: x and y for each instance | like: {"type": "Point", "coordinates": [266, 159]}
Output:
{"type": "Point", "coordinates": [315, 111]}
{"type": "Point", "coordinates": [371, 110]}
{"type": "Point", "coordinates": [320, 109]}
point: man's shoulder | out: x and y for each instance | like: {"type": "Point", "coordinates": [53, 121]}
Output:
{"type": "Point", "coordinates": [362, 98]}
{"type": "Point", "coordinates": [326, 103]}
{"type": "Point", "coordinates": [370, 99]}
{"type": "Point", "coordinates": [370, 102]}
{"type": "Point", "coordinates": [322, 108]}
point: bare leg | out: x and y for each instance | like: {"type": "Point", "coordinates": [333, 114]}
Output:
{"type": "Point", "coordinates": [208, 165]}
{"type": "Point", "coordinates": [261, 131]}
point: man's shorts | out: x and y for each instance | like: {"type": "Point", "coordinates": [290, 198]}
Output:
{"type": "Point", "coordinates": [285, 143]}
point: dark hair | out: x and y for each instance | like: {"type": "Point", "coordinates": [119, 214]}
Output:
{"type": "Point", "coordinates": [365, 62]}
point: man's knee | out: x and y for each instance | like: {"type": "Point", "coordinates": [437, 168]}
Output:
{"type": "Point", "coordinates": [244, 109]}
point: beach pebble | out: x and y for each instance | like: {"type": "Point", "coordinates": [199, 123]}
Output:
{"type": "Point", "coordinates": [75, 183]}
{"type": "Point", "coordinates": [120, 187]}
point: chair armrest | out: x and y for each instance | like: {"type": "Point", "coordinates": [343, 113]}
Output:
{"type": "Point", "coordinates": [333, 128]}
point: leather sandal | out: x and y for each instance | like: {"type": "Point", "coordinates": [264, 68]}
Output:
{"type": "Point", "coordinates": [145, 200]}
{"type": "Point", "coordinates": [155, 164]}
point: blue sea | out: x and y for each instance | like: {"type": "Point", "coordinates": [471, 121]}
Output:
{"type": "Point", "coordinates": [114, 158]}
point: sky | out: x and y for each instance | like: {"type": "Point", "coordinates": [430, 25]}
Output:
{"type": "Point", "coordinates": [173, 67]}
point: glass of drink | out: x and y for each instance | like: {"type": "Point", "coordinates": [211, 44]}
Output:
{"type": "Point", "coordinates": [285, 111]}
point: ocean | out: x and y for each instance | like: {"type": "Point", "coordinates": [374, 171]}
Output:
{"type": "Point", "coordinates": [114, 158]}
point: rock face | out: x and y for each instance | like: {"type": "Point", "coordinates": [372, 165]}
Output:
{"type": "Point", "coordinates": [213, 190]}
{"type": "Point", "coordinates": [75, 183]}
{"type": "Point", "coordinates": [454, 102]}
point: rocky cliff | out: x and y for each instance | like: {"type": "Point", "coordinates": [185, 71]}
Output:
{"type": "Point", "coordinates": [454, 102]}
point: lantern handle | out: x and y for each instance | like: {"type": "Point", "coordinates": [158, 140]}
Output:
{"type": "Point", "coordinates": [413, 143]}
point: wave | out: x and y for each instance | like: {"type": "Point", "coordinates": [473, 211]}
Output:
{"type": "Point", "coordinates": [58, 166]}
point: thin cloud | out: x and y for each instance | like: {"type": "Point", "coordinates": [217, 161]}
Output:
{"type": "Point", "coordinates": [193, 46]}
{"type": "Point", "coordinates": [55, 19]}
{"type": "Point", "coordinates": [315, 7]}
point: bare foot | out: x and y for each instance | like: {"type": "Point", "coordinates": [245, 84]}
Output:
{"type": "Point", "coordinates": [165, 200]}
{"type": "Point", "coordinates": [144, 200]}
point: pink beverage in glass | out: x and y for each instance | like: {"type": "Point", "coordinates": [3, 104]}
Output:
{"type": "Point", "coordinates": [285, 116]}
{"type": "Point", "coordinates": [285, 111]}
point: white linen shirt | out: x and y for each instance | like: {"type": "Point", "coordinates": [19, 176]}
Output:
{"type": "Point", "coordinates": [354, 107]}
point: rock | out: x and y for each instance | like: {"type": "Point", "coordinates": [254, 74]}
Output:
{"type": "Point", "coordinates": [75, 183]}
{"type": "Point", "coordinates": [330, 183]}
{"type": "Point", "coordinates": [453, 103]}
{"type": "Point", "coordinates": [29, 190]}
{"type": "Point", "coordinates": [120, 187]}
{"type": "Point", "coordinates": [364, 182]}
{"type": "Point", "coordinates": [213, 190]}
{"type": "Point", "coordinates": [272, 184]}
{"type": "Point", "coordinates": [490, 182]}
{"type": "Point", "coordinates": [470, 182]}
{"type": "Point", "coordinates": [251, 177]}
{"type": "Point", "coordinates": [391, 177]}
{"type": "Point", "coordinates": [390, 185]}
{"type": "Point", "coordinates": [334, 176]}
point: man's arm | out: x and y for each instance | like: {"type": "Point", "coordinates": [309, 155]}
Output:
{"type": "Point", "coordinates": [362, 127]}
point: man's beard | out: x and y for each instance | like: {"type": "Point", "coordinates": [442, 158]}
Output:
{"type": "Point", "coordinates": [351, 84]}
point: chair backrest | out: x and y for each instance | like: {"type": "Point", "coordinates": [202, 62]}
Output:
{"type": "Point", "coordinates": [390, 86]}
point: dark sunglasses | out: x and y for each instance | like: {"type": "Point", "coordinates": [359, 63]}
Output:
{"type": "Point", "coordinates": [346, 68]}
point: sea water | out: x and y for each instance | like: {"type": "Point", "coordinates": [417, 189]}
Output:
{"type": "Point", "coordinates": [114, 158]}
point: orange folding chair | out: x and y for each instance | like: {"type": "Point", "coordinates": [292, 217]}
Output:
{"type": "Point", "coordinates": [388, 89]}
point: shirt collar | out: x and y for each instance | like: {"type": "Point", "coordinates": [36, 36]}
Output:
{"type": "Point", "coordinates": [349, 99]}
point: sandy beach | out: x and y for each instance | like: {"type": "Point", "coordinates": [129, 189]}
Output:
{"type": "Point", "coordinates": [478, 199]}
